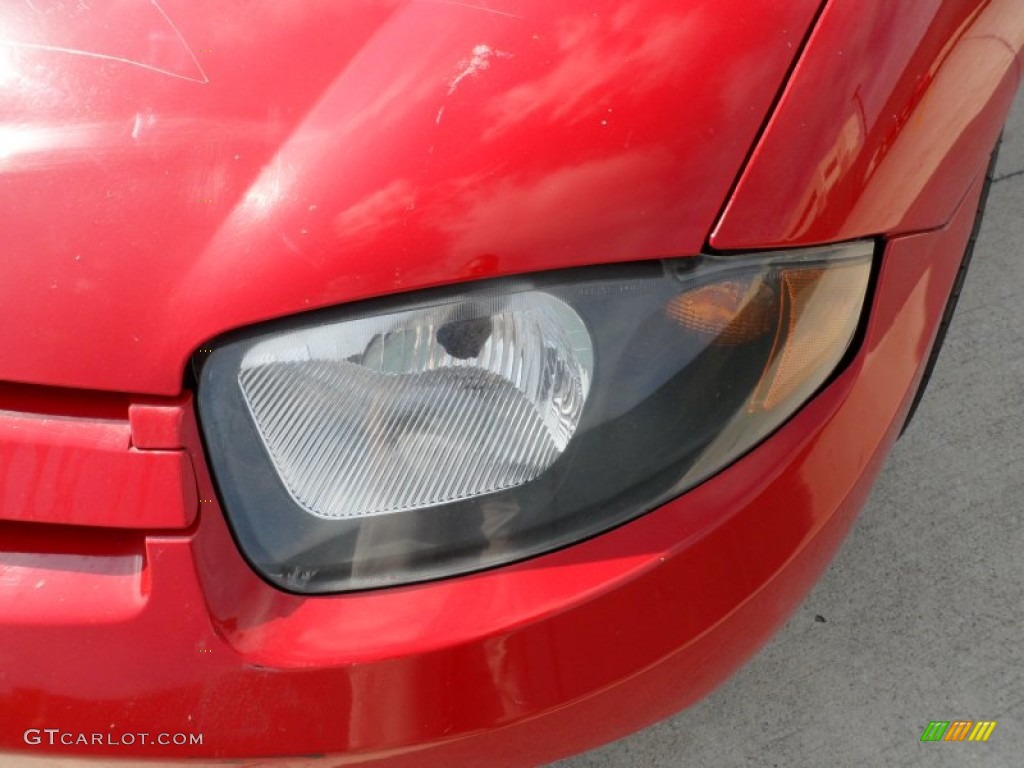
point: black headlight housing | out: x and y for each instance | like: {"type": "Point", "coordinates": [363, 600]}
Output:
{"type": "Point", "coordinates": [443, 432]}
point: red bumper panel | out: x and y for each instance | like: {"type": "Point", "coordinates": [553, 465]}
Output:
{"type": "Point", "coordinates": [86, 472]}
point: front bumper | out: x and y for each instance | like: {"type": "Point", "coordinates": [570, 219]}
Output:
{"type": "Point", "coordinates": [139, 632]}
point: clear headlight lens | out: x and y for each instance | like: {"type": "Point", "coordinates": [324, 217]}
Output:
{"type": "Point", "coordinates": [419, 408]}
{"type": "Point", "coordinates": [405, 440]}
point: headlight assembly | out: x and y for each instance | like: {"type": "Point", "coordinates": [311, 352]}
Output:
{"type": "Point", "coordinates": [439, 433]}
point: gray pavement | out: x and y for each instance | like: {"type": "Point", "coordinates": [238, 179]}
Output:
{"type": "Point", "coordinates": [924, 604]}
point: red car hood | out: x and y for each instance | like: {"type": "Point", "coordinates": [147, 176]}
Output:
{"type": "Point", "coordinates": [172, 170]}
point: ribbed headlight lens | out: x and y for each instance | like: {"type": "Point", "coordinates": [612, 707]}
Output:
{"type": "Point", "coordinates": [404, 440]}
{"type": "Point", "coordinates": [413, 409]}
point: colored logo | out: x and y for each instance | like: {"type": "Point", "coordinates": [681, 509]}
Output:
{"type": "Point", "coordinates": [958, 730]}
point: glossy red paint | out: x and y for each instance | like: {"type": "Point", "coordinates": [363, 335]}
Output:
{"type": "Point", "coordinates": [170, 171]}
{"type": "Point", "coordinates": [895, 107]}
{"type": "Point", "coordinates": [523, 663]}
{"type": "Point", "coordinates": [160, 424]}
{"type": "Point", "coordinates": [85, 471]}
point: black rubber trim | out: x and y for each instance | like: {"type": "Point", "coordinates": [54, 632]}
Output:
{"type": "Point", "coordinates": [958, 284]}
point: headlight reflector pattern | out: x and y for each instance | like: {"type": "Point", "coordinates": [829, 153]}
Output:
{"type": "Point", "coordinates": [414, 409]}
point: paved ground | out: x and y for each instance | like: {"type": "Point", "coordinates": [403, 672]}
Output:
{"type": "Point", "coordinates": [924, 605]}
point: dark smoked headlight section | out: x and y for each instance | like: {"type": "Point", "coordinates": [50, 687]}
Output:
{"type": "Point", "coordinates": [448, 431]}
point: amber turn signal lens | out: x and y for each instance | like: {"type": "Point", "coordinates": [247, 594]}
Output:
{"type": "Point", "coordinates": [820, 311]}
{"type": "Point", "coordinates": [730, 312]}
{"type": "Point", "coordinates": [797, 316]}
